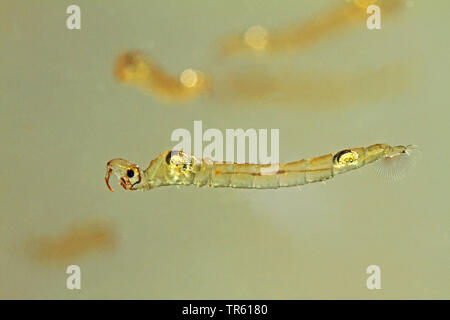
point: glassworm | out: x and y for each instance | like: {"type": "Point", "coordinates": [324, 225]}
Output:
{"type": "Point", "coordinates": [180, 168]}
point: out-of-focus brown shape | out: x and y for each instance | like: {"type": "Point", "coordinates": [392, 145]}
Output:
{"type": "Point", "coordinates": [73, 243]}
{"type": "Point", "coordinates": [313, 89]}
{"type": "Point", "coordinates": [259, 39]}
{"type": "Point", "coordinates": [135, 68]}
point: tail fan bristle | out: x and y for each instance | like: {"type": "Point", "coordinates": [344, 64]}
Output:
{"type": "Point", "coordinates": [396, 168]}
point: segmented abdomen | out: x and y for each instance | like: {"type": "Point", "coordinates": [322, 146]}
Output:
{"type": "Point", "coordinates": [271, 176]}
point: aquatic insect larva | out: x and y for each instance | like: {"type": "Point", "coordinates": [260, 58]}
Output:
{"type": "Point", "coordinates": [258, 39]}
{"type": "Point", "coordinates": [180, 168]}
{"type": "Point", "coordinates": [136, 69]}
{"type": "Point", "coordinates": [73, 243]}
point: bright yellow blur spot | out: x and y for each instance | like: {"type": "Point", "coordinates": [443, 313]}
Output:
{"type": "Point", "coordinates": [256, 37]}
{"type": "Point", "coordinates": [189, 78]}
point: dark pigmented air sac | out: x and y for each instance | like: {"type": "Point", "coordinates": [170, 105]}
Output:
{"type": "Point", "coordinates": [339, 154]}
{"type": "Point", "coordinates": [169, 156]}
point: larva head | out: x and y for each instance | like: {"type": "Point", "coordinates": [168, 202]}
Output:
{"type": "Point", "coordinates": [131, 67]}
{"type": "Point", "coordinates": [127, 172]}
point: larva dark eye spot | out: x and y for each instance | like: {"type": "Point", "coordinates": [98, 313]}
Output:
{"type": "Point", "coordinates": [130, 173]}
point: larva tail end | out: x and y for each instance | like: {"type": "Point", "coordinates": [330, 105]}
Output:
{"type": "Point", "coordinates": [396, 168]}
{"type": "Point", "coordinates": [128, 66]}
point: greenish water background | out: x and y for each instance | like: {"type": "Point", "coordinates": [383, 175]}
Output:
{"type": "Point", "coordinates": [63, 117]}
